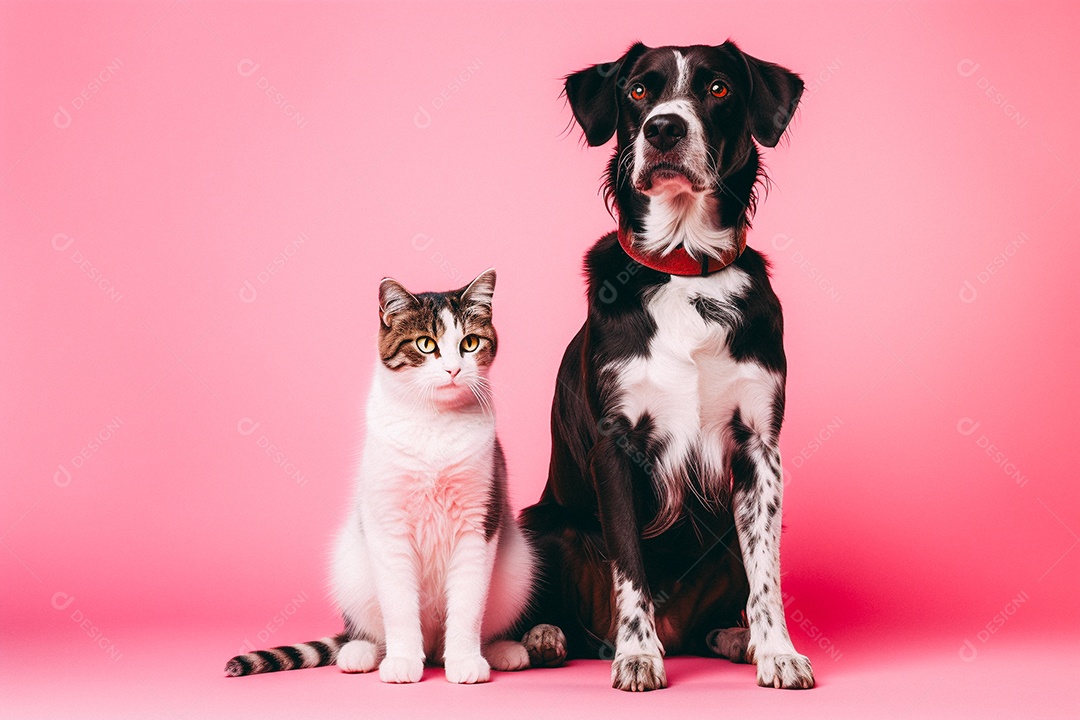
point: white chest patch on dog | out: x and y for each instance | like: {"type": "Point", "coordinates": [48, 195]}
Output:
{"type": "Point", "coordinates": [689, 385]}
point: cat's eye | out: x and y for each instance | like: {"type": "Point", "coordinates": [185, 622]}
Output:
{"type": "Point", "coordinates": [470, 343]}
{"type": "Point", "coordinates": [718, 89]}
{"type": "Point", "coordinates": [425, 345]}
{"type": "Point", "coordinates": [637, 91]}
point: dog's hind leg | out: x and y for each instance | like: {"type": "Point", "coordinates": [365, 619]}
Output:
{"type": "Point", "coordinates": [731, 643]}
{"type": "Point", "coordinates": [758, 488]}
{"type": "Point", "coordinates": [546, 645]}
{"type": "Point", "coordinates": [572, 589]}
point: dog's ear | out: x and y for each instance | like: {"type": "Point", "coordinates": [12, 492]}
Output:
{"type": "Point", "coordinates": [593, 95]}
{"type": "Point", "coordinates": [774, 95]}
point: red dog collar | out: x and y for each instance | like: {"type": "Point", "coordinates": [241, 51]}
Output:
{"type": "Point", "coordinates": [678, 261]}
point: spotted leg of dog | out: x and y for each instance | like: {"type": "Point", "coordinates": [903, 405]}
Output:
{"type": "Point", "coordinates": [758, 490]}
{"type": "Point", "coordinates": [638, 663]}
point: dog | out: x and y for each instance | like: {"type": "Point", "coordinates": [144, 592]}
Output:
{"type": "Point", "coordinates": [659, 526]}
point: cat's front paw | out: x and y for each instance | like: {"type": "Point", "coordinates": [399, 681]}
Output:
{"type": "Point", "coordinates": [467, 670]}
{"type": "Point", "coordinates": [507, 655]}
{"type": "Point", "coordinates": [358, 656]}
{"type": "Point", "coordinates": [790, 670]}
{"type": "Point", "coordinates": [401, 670]}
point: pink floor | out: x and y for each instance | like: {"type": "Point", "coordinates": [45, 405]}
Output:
{"type": "Point", "coordinates": [178, 675]}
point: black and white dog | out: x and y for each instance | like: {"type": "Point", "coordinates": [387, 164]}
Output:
{"type": "Point", "coordinates": [660, 523]}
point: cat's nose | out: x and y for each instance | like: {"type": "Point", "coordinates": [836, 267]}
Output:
{"type": "Point", "coordinates": [453, 372]}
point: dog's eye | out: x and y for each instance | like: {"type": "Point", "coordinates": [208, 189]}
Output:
{"type": "Point", "coordinates": [425, 345]}
{"type": "Point", "coordinates": [718, 89]}
{"type": "Point", "coordinates": [637, 91]}
{"type": "Point", "coordinates": [470, 343]}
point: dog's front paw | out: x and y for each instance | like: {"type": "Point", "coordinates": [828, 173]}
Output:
{"type": "Point", "coordinates": [638, 673]}
{"type": "Point", "coordinates": [358, 656]}
{"type": "Point", "coordinates": [467, 670]}
{"type": "Point", "coordinates": [790, 671]}
{"type": "Point", "coordinates": [401, 670]}
{"type": "Point", "coordinates": [546, 645]}
{"type": "Point", "coordinates": [507, 655]}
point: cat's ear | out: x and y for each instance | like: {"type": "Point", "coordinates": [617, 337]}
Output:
{"type": "Point", "coordinates": [481, 290]}
{"type": "Point", "coordinates": [393, 298]}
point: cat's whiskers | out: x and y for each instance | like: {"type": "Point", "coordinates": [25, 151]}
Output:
{"type": "Point", "coordinates": [481, 387]}
{"type": "Point", "coordinates": [483, 397]}
{"type": "Point", "coordinates": [416, 393]}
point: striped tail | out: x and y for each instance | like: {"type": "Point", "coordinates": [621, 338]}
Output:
{"type": "Point", "coordinates": [287, 657]}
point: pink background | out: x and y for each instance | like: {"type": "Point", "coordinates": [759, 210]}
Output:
{"type": "Point", "coordinates": [922, 227]}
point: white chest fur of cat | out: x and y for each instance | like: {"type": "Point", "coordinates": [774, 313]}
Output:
{"type": "Point", "coordinates": [430, 564]}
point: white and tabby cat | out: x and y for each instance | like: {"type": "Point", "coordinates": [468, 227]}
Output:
{"type": "Point", "coordinates": [431, 563]}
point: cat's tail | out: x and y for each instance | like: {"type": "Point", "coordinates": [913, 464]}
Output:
{"type": "Point", "coordinates": [287, 657]}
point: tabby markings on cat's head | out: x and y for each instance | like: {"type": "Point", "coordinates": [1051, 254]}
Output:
{"type": "Point", "coordinates": [440, 343]}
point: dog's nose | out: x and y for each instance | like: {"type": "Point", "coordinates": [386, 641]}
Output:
{"type": "Point", "coordinates": [665, 131]}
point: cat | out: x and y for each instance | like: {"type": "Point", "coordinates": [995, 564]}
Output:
{"type": "Point", "coordinates": [431, 563]}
